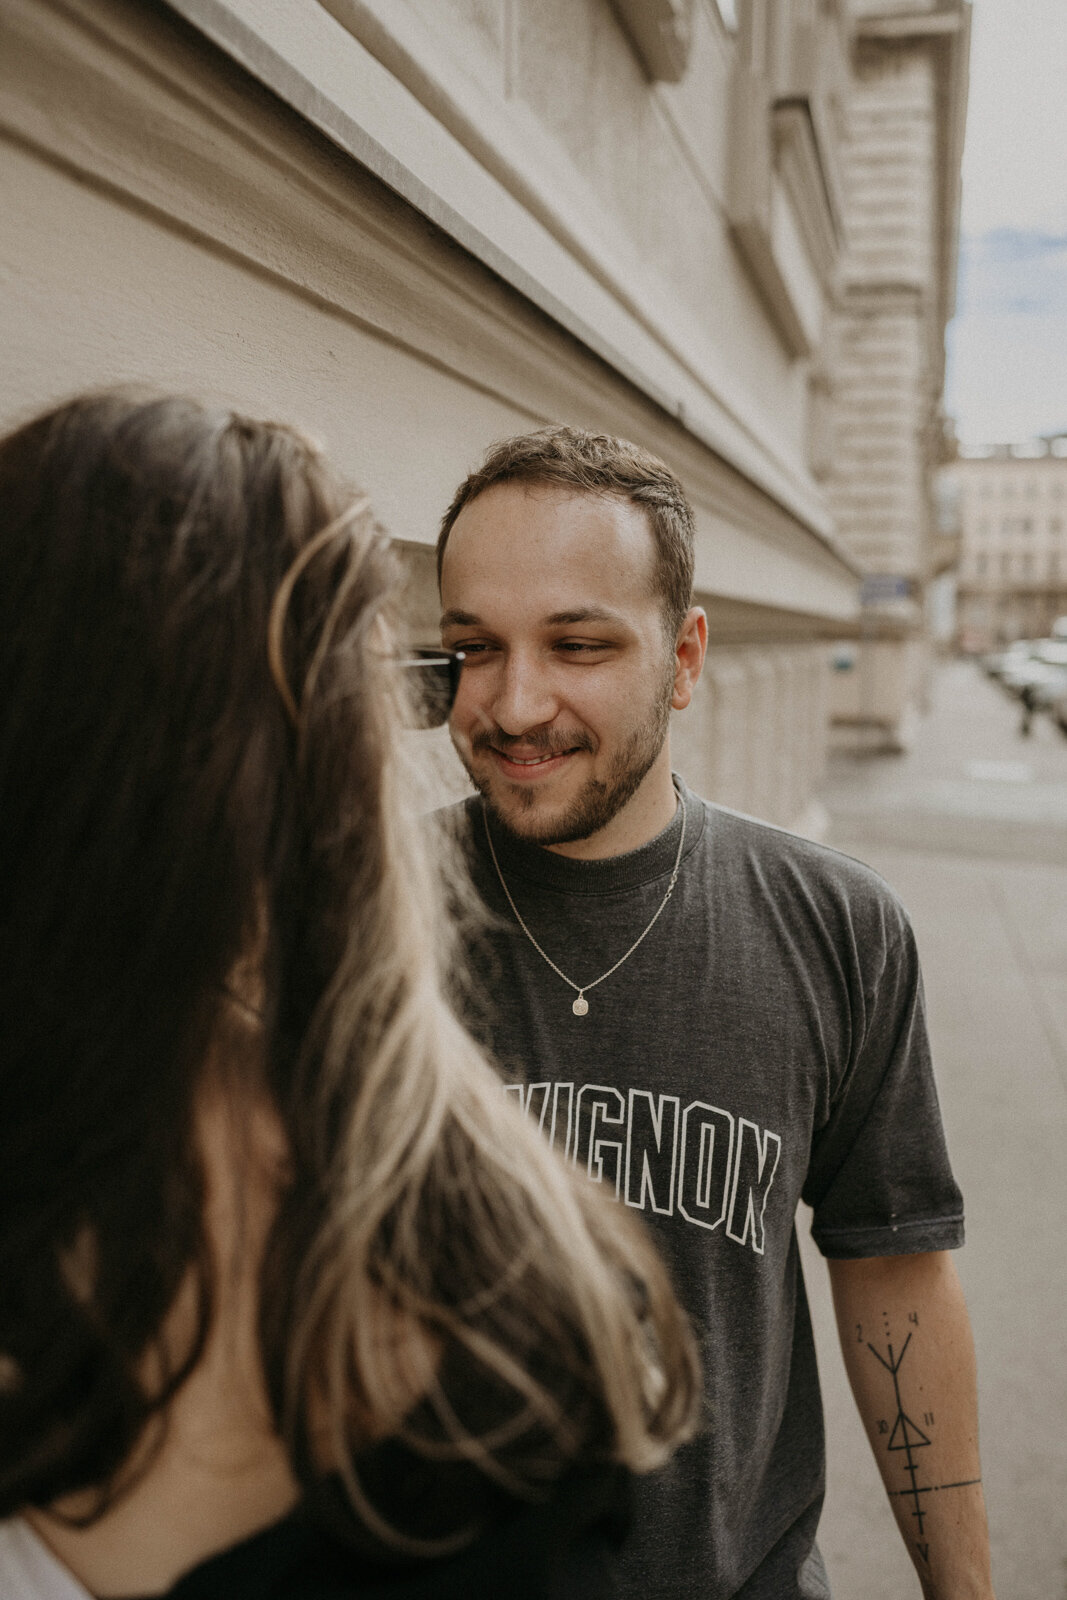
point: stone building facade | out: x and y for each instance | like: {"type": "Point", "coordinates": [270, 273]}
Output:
{"type": "Point", "coordinates": [886, 353]}
{"type": "Point", "coordinates": [415, 226]}
{"type": "Point", "coordinates": [1012, 509]}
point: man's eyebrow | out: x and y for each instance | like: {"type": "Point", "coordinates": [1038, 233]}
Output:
{"type": "Point", "coordinates": [558, 619]}
{"type": "Point", "coordinates": [567, 619]}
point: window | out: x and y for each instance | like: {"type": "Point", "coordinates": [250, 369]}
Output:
{"type": "Point", "coordinates": [1055, 525]}
{"type": "Point", "coordinates": [1026, 525]}
{"type": "Point", "coordinates": [1028, 565]}
{"type": "Point", "coordinates": [1005, 565]}
{"type": "Point", "coordinates": [980, 564]}
{"type": "Point", "coordinates": [660, 32]}
{"type": "Point", "coordinates": [784, 151]}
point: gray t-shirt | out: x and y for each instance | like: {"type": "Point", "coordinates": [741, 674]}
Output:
{"type": "Point", "coordinates": [765, 1043]}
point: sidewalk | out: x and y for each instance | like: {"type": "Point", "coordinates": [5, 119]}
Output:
{"type": "Point", "coordinates": [972, 785]}
{"type": "Point", "coordinates": [971, 829]}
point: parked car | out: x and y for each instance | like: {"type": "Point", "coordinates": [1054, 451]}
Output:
{"type": "Point", "coordinates": [1052, 651]}
{"type": "Point", "coordinates": [1045, 683]}
{"type": "Point", "coordinates": [997, 662]}
{"type": "Point", "coordinates": [1037, 665]}
{"type": "Point", "coordinates": [1058, 710]}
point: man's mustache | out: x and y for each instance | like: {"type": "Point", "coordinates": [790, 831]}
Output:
{"type": "Point", "coordinates": [546, 744]}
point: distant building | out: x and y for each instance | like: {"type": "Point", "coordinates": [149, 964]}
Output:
{"type": "Point", "coordinates": [1012, 574]}
{"type": "Point", "coordinates": [724, 230]}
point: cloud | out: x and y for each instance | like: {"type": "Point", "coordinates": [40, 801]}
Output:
{"type": "Point", "coordinates": [1007, 367]}
{"type": "Point", "coordinates": [1007, 378]}
{"type": "Point", "coordinates": [1013, 270]}
{"type": "Point", "coordinates": [1017, 116]}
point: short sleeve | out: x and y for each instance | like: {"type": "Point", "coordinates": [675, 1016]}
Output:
{"type": "Point", "coordinates": [879, 1181]}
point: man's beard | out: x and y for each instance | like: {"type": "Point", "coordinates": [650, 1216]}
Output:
{"type": "Point", "coordinates": [597, 803]}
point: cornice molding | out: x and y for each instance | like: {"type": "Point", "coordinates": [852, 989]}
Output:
{"type": "Point", "coordinates": [908, 27]}
{"type": "Point", "coordinates": [661, 32]}
{"type": "Point", "coordinates": [376, 80]}
{"type": "Point", "coordinates": [245, 178]}
{"type": "Point", "coordinates": [878, 294]}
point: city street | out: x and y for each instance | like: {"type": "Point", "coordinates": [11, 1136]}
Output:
{"type": "Point", "coordinates": [971, 829]}
{"type": "Point", "coordinates": [757, 306]}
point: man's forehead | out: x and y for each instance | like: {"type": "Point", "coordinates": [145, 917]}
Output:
{"type": "Point", "coordinates": [535, 497]}
{"type": "Point", "coordinates": [525, 529]}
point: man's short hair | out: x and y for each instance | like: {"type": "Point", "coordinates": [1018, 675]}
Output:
{"type": "Point", "coordinates": [596, 463]}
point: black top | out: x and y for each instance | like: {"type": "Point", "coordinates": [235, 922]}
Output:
{"type": "Point", "coordinates": [563, 1549]}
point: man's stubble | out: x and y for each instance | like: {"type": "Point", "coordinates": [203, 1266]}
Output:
{"type": "Point", "coordinates": [601, 799]}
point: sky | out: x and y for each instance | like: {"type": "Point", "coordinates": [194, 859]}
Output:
{"type": "Point", "coordinates": [1007, 371]}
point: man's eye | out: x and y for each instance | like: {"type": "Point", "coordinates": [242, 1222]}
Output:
{"type": "Point", "coordinates": [471, 647]}
{"type": "Point", "coordinates": [578, 647]}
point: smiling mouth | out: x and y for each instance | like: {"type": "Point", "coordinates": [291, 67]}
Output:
{"type": "Point", "coordinates": [518, 767]}
{"type": "Point", "coordinates": [532, 761]}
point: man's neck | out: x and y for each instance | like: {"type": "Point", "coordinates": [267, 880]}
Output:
{"type": "Point", "coordinates": [644, 815]}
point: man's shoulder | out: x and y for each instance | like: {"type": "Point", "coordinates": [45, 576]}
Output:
{"type": "Point", "coordinates": [772, 858]}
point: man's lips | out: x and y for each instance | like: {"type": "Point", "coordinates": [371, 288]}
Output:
{"type": "Point", "coordinates": [528, 764]}
{"type": "Point", "coordinates": [530, 761]}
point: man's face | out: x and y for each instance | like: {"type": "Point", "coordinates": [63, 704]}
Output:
{"type": "Point", "coordinates": [565, 697]}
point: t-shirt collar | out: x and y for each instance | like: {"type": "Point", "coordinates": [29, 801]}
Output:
{"type": "Point", "coordinates": [550, 870]}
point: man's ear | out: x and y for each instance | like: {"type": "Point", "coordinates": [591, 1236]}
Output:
{"type": "Point", "coordinates": [689, 653]}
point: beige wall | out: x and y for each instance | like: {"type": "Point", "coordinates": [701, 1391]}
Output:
{"type": "Point", "coordinates": [173, 214]}
{"type": "Point", "coordinates": [874, 705]}
{"type": "Point", "coordinates": [630, 179]}
{"type": "Point", "coordinates": [755, 736]}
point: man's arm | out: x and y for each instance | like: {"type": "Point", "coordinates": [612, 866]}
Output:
{"type": "Point", "coordinates": [906, 1339]}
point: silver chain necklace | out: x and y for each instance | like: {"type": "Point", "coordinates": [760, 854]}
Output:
{"type": "Point", "coordinates": [580, 1005]}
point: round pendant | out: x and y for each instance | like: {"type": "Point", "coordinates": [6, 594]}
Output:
{"type": "Point", "coordinates": [580, 1006]}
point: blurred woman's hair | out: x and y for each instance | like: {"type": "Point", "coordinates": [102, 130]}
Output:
{"type": "Point", "coordinates": [178, 799]}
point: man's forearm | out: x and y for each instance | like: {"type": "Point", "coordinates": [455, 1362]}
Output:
{"type": "Point", "coordinates": [906, 1339]}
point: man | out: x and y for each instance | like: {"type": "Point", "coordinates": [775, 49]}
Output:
{"type": "Point", "coordinates": [712, 1018]}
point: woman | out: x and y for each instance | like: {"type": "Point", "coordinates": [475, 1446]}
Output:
{"type": "Point", "coordinates": [293, 1300]}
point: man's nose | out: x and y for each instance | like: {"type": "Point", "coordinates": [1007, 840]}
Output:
{"type": "Point", "coordinates": [525, 697]}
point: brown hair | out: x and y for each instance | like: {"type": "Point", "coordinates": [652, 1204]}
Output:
{"type": "Point", "coordinates": [162, 812]}
{"type": "Point", "coordinates": [596, 463]}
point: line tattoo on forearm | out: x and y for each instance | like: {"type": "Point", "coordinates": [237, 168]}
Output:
{"type": "Point", "coordinates": [905, 1437]}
